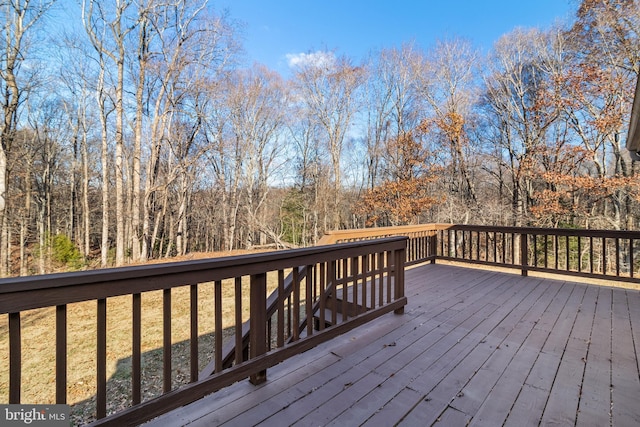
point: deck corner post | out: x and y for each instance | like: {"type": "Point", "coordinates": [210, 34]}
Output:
{"type": "Point", "coordinates": [399, 277]}
{"type": "Point", "coordinates": [524, 251]}
{"type": "Point", "coordinates": [258, 323]}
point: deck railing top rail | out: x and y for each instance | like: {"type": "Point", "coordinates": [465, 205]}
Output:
{"type": "Point", "coordinates": [66, 288]}
{"type": "Point", "coordinates": [542, 231]}
{"type": "Point", "coordinates": [336, 236]}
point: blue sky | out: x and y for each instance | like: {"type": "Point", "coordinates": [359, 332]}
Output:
{"type": "Point", "coordinates": [275, 29]}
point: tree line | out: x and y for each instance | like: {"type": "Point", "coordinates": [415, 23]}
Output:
{"type": "Point", "coordinates": [139, 133]}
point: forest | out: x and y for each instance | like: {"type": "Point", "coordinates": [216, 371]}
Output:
{"type": "Point", "coordinates": [138, 132]}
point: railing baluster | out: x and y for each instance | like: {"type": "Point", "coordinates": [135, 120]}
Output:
{"type": "Point", "coordinates": [136, 351]}
{"type": "Point", "coordinates": [617, 240]}
{"type": "Point", "coordinates": [193, 341]}
{"type": "Point", "coordinates": [166, 340]}
{"type": "Point", "coordinates": [384, 265]}
{"type": "Point", "coordinates": [495, 247]}
{"type": "Point", "coordinates": [433, 248]}
{"type": "Point", "coordinates": [315, 284]}
{"type": "Point", "coordinates": [296, 305]}
{"type": "Point", "coordinates": [366, 272]}
{"type": "Point", "coordinates": [399, 279]}
{"type": "Point", "coordinates": [217, 303]}
{"type": "Point", "coordinates": [591, 254]}
{"type": "Point", "coordinates": [323, 305]}
{"type": "Point", "coordinates": [579, 254]}
{"type": "Point", "coordinates": [524, 254]}
{"type": "Point", "coordinates": [355, 268]}
{"type": "Point", "coordinates": [258, 320]}
{"type": "Point", "coordinates": [389, 270]}
{"type": "Point", "coordinates": [309, 282]}
{"type": "Point", "coordinates": [289, 315]}
{"type": "Point", "coordinates": [631, 257]}
{"type": "Point", "coordinates": [486, 246]}
{"type": "Point", "coordinates": [239, 350]}
{"type": "Point", "coordinates": [568, 248]}
{"type": "Point", "coordinates": [371, 291]}
{"type": "Point", "coordinates": [15, 358]}
{"type": "Point", "coordinates": [604, 255]}
{"type": "Point", "coordinates": [333, 280]}
{"type": "Point", "coordinates": [61, 354]}
{"type": "Point", "coordinates": [101, 359]}
{"type": "Point", "coordinates": [345, 289]}
{"type": "Point", "coordinates": [279, 309]}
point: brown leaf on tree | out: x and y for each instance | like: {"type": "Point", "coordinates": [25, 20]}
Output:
{"type": "Point", "coordinates": [397, 202]}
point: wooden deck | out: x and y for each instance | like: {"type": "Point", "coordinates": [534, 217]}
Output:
{"type": "Point", "coordinates": [474, 347]}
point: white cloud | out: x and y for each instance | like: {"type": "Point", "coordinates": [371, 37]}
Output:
{"type": "Point", "coordinates": [313, 59]}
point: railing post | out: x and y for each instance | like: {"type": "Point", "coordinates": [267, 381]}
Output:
{"type": "Point", "coordinates": [258, 323]}
{"type": "Point", "coordinates": [433, 248]}
{"type": "Point", "coordinates": [524, 251]}
{"type": "Point", "coordinates": [399, 277]}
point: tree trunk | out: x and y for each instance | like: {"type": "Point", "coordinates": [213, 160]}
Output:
{"type": "Point", "coordinates": [3, 211]}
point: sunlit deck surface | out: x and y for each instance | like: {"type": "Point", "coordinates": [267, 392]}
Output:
{"type": "Point", "coordinates": [475, 347]}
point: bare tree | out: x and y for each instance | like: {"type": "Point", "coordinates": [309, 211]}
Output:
{"type": "Point", "coordinates": [18, 20]}
{"type": "Point", "coordinates": [223, 163]}
{"type": "Point", "coordinates": [394, 109]}
{"type": "Point", "coordinates": [108, 31]}
{"type": "Point", "coordinates": [328, 88]}
{"type": "Point", "coordinates": [517, 98]}
{"type": "Point", "coordinates": [192, 49]}
{"type": "Point", "coordinates": [449, 87]}
{"type": "Point", "coordinates": [143, 56]}
{"type": "Point", "coordinates": [257, 102]}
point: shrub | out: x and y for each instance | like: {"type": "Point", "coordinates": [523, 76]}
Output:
{"type": "Point", "coordinates": [65, 252]}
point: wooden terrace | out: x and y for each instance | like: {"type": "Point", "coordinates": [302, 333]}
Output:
{"type": "Point", "coordinates": [473, 347]}
{"type": "Point", "coordinates": [385, 326]}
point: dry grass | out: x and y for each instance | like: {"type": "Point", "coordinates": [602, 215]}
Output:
{"type": "Point", "coordinates": [38, 346]}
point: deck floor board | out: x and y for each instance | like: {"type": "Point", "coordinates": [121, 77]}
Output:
{"type": "Point", "coordinates": [474, 346]}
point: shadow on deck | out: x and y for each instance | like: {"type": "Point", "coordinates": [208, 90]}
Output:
{"type": "Point", "coordinates": [475, 347]}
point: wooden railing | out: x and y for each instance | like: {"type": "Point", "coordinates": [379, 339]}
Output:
{"type": "Point", "coordinates": [330, 290]}
{"type": "Point", "coordinates": [600, 254]}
